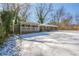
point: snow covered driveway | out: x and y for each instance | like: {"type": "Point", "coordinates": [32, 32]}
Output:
{"type": "Point", "coordinates": [58, 43]}
{"type": "Point", "coordinates": [55, 43]}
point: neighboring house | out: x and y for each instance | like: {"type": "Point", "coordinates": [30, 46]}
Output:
{"type": "Point", "coordinates": [0, 22]}
{"type": "Point", "coordinates": [46, 27]}
{"type": "Point", "coordinates": [26, 27]}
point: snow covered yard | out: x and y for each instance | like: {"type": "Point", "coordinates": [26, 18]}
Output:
{"type": "Point", "coordinates": [57, 43]}
{"type": "Point", "coordinates": [60, 43]}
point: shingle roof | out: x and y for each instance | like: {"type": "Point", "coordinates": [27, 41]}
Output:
{"type": "Point", "coordinates": [48, 25]}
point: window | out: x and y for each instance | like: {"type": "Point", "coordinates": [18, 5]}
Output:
{"type": "Point", "coordinates": [23, 25]}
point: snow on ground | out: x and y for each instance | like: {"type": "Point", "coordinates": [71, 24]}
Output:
{"type": "Point", "coordinates": [55, 43]}
{"type": "Point", "coordinates": [8, 49]}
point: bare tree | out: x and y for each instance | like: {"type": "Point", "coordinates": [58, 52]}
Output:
{"type": "Point", "coordinates": [60, 13]}
{"type": "Point", "coordinates": [25, 11]}
{"type": "Point", "coordinates": [77, 18]}
{"type": "Point", "coordinates": [57, 15]}
{"type": "Point", "coordinates": [43, 11]}
{"type": "Point", "coordinates": [67, 19]}
{"type": "Point", "coordinates": [20, 11]}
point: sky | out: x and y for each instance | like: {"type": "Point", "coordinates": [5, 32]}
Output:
{"type": "Point", "coordinates": [72, 8]}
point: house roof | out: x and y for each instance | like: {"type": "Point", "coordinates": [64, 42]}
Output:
{"type": "Point", "coordinates": [28, 23]}
{"type": "Point", "coordinates": [47, 25]}
{"type": "Point", "coordinates": [36, 24]}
